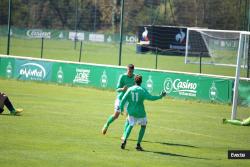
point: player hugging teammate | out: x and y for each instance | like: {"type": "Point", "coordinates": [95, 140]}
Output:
{"type": "Point", "coordinates": [131, 95]}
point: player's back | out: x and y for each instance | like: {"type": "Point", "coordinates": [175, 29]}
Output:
{"type": "Point", "coordinates": [135, 99]}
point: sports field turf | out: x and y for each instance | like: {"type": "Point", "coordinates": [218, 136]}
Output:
{"type": "Point", "coordinates": [61, 126]}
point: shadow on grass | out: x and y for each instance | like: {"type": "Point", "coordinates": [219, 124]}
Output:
{"type": "Point", "coordinates": [3, 114]}
{"type": "Point", "coordinates": [168, 144]}
{"type": "Point", "coordinates": [175, 155]}
{"type": "Point", "coordinates": [172, 154]}
{"type": "Point", "coordinates": [10, 115]}
{"type": "Point", "coordinates": [174, 144]}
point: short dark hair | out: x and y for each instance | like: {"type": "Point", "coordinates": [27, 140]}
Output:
{"type": "Point", "coordinates": [131, 66]}
{"type": "Point", "coordinates": [138, 79]}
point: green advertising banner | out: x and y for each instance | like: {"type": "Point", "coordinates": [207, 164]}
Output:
{"type": "Point", "coordinates": [244, 93]}
{"type": "Point", "coordinates": [7, 66]}
{"type": "Point", "coordinates": [188, 86]}
{"type": "Point", "coordinates": [177, 85]}
{"type": "Point", "coordinates": [24, 69]}
{"type": "Point", "coordinates": [32, 70]}
{"type": "Point", "coordinates": [79, 74]}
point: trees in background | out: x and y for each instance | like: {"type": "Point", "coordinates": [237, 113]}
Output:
{"type": "Point", "coordinates": [104, 15]}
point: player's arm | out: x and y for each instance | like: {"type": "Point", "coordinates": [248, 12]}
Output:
{"type": "Point", "coordinates": [150, 97]}
{"type": "Point", "coordinates": [123, 89]}
{"type": "Point", "coordinates": [120, 86]}
{"type": "Point", "coordinates": [124, 100]}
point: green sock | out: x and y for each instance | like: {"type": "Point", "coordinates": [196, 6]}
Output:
{"type": "Point", "coordinates": [13, 111]}
{"type": "Point", "coordinates": [234, 122]}
{"type": "Point", "coordinates": [125, 127]}
{"type": "Point", "coordinates": [141, 134]}
{"type": "Point", "coordinates": [110, 120]}
{"type": "Point", "coordinates": [128, 130]}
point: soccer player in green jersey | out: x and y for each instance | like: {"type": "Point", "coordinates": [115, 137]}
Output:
{"type": "Point", "coordinates": [245, 122]}
{"type": "Point", "coordinates": [125, 81]}
{"type": "Point", "coordinates": [135, 97]}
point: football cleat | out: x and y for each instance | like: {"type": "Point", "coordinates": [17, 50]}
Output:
{"type": "Point", "coordinates": [224, 120]}
{"type": "Point", "coordinates": [17, 112]}
{"type": "Point", "coordinates": [163, 93]}
{"type": "Point", "coordinates": [123, 144]}
{"type": "Point", "coordinates": [139, 148]}
{"type": "Point", "coordinates": [104, 129]}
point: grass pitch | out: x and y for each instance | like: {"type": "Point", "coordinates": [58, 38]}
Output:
{"type": "Point", "coordinates": [61, 126]}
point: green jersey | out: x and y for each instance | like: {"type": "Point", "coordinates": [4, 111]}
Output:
{"type": "Point", "coordinates": [135, 97]}
{"type": "Point", "coordinates": [124, 80]}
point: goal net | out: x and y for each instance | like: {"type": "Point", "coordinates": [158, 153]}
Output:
{"type": "Point", "coordinates": [215, 47]}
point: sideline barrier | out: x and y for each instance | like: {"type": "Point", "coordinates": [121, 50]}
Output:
{"type": "Point", "coordinates": [176, 84]}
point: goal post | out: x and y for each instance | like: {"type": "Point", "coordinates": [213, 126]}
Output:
{"type": "Point", "coordinates": [222, 48]}
{"type": "Point", "coordinates": [236, 81]}
{"type": "Point", "coordinates": [242, 53]}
